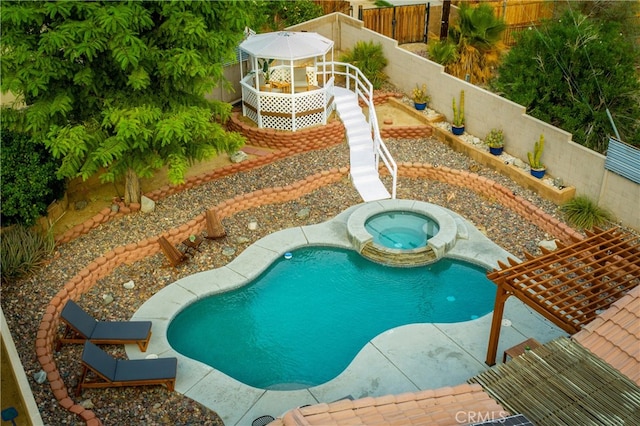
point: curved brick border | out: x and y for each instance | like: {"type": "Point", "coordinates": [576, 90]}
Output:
{"type": "Point", "coordinates": [104, 265]}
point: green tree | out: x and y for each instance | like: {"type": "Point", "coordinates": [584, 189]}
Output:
{"type": "Point", "coordinates": [28, 179]}
{"type": "Point", "coordinates": [118, 87]}
{"type": "Point", "coordinates": [273, 15]}
{"type": "Point", "coordinates": [569, 72]}
{"type": "Point", "coordinates": [620, 16]}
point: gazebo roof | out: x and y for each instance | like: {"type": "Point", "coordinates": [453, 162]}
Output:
{"type": "Point", "coordinates": [287, 45]}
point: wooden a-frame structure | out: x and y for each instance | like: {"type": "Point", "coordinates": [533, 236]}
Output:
{"type": "Point", "coordinates": [571, 285]}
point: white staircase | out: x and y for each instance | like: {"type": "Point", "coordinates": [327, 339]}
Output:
{"type": "Point", "coordinates": [364, 164]}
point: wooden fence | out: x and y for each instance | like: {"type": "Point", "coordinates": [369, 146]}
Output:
{"type": "Point", "coordinates": [331, 6]}
{"type": "Point", "coordinates": [412, 23]}
{"type": "Point", "coordinates": [406, 24]}
{"type": "Point", "coordinates": [520, 15]}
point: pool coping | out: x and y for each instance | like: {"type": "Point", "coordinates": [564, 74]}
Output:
{"type": "Point", "coordinates": [237, 403]}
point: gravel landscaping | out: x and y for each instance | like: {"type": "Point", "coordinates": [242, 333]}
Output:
{"type": "Point", "coordinates": [24, 301]}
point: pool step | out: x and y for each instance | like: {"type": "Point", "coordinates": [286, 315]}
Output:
{"type": "Point", "coordinates": [406, 258]}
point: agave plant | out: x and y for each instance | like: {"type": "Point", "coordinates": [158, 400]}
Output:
{"type": "Point", "coordinates": [583, 213]}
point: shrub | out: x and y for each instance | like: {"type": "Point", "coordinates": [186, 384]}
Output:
{"type": "Point", "coordinates": [369, 58]}
{"type": "Point", "coordinates": [23, 250]}
{"type": "Point", "coordinates": [583, 213]}
{"type": "Point", "coordinates": [29, 182]}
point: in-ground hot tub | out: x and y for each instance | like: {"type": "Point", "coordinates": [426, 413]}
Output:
{"type": "Point", "coordinates": [402, 232]}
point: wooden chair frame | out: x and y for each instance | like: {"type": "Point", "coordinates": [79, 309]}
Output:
{"type": "Point", "coordinates": [175, 256]}
{"type": "Point", "coordinates": [101, 380]}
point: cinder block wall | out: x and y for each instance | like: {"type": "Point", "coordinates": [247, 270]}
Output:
{"type": "Point", "coordinates": [575, 164]}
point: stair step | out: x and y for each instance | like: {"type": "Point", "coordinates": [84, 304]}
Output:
{"type": "Point", "coordinates": [364, 173]}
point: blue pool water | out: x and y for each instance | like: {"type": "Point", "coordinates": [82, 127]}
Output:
{"type": "Point", "coordinates": [401, 229]}
{"type": "Point", "coordinates": [303, 320]}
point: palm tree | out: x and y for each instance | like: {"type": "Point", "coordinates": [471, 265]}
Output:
{"type": "Point", "coordinates": [477, 37]}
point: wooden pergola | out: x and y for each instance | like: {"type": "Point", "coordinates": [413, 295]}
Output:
{"type": "Point", "coordinates": [571, 285]}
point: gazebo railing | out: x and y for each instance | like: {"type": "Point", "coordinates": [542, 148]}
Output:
{"type": "Point", "coordinates": [355, 81]}
{"type": "Point", "coordinates": [278, 108]}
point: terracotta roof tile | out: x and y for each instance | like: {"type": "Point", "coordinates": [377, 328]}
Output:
{"type": "Point", "coordinates": [615, 335]}
{"type": "Point", "coordinates": [446, 390]}
{"type": "Point", "coordinates": [314, 409]}
{"type": "Point", "coordinates": [363, 402]}
{"type": "Point", "coordinates": [387, 399]}
{"type": "Point", "coordinates": [438, 407]}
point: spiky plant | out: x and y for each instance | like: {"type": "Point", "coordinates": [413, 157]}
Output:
{"type": "Point", "coordinates": [369, 58]}
{"type": "Point", "coordinates": [22, 250]}
{"type": "Point", "coordinates": [584, 213]}
{"type": "Point", "coordinates": [443, 52]}
{"type": "Point", "coordinates": [458, 111]}
{"type": "Point", "coordinates": [477, 37]}
{"type": "Point", "coordinates": [535, 157]}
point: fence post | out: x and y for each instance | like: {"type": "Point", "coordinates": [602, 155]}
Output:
{"type": "Point", "coordinates": [425, 36]}
{"type": "Point", "coordinates": [444, 20]}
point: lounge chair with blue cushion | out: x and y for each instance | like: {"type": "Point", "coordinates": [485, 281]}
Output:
{"type": "Point", "coordinates": [101, 370]}
{"type": "Point", "coordinates": [81, 326]}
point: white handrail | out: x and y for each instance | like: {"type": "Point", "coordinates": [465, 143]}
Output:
{"type": "Point", "coordinates": [364, 90]}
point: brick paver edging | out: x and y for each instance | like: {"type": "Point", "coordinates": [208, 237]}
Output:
{"type": "Point", "coordinates": [104, 265]}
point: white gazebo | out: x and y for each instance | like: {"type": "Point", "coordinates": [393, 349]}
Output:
{"type": "Point", "coordinates": [290, 83]}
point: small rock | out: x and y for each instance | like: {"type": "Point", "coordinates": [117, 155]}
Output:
{"type": "Point", "coordinates": [80, 205]}
{"type": "Point", "coordinates": [107, 298]}
{"type": "Point", "coordinates": [519, 163]}
{"type": "Point", "coordinates": [228, 251]}
{"type": "Point", "coordinates": [87, 403]}
{"type": "Point", "coordinates": [147, 204]}
{"type": "Point", "coordinates": [40, 377]}
{"type": "Point", "coordinates": [548, 244]}
{"type": "Point", "coordinates": [303, 213]}
{"type": "Point", "coordinates": [474, 167]}
{"type": "Point", "coordinates": [242, 240]}
{"type": "Point", "coordinates": [157, 405]}
{"type": "Point", "coordinates": [252, 226]}
{"type": "Point", "coordinates": [115, 208]}
{"type": "Point", "coordinates": [129, 285]}
{"type": "Point", "coordinates": [238, 156]}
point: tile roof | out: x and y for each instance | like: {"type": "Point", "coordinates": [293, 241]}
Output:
{"type": "Point", "coordinates": [459, 404]}
{"type": "Point", "coordinates": [614, 336]}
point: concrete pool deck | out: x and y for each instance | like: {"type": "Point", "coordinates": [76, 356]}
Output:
{"type": "Point", "coordinates": [404, 359]}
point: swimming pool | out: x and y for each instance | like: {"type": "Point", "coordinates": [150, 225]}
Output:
{"type": "Point", "coordinates": [303, 320]}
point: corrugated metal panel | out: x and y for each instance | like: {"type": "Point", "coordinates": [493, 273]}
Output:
{"type": "Point", "coordinates": [623, 159]}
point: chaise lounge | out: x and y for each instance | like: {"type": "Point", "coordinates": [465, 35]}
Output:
{"type": "Point", "coordinates": [80, 326]}
{"type": "Point", "coordinates": [101, 370]}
